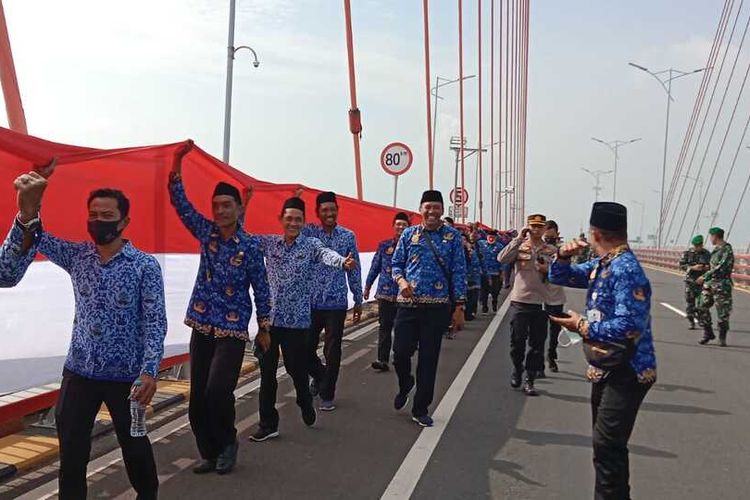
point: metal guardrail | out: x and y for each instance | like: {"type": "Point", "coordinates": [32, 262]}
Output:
{"type": "Point", "coordinates": [47, 399]}
{"type": "Point", "coordinates": [670, 259]}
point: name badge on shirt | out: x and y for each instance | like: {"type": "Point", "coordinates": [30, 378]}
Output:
{"type": "Point", "coordinates": [594, 315]}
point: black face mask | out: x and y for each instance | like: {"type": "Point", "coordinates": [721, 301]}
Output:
{"type": "Point", "coordinates": [104, 232]}
{"type": "Point", "coordinates": [551, 241]}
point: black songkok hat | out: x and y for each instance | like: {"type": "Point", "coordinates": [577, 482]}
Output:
{"type": "Point", "coordinates": [449, 220]}
{"type": "Point", "coordinates": [223, 188]}
{"type": "Point", "coordinates": [325, 197]}
{"type": "Point", "coordinates": [609, 216]}
{"type": "Point", "coordinates": [431, 196]}
{"type": "Point", "coordinates": [401, 216]}
{"type": "Point", "coordinates": [294, 202]}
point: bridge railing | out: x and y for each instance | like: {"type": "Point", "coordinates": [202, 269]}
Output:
{"type": "Point", "coordinates": [670, 258]}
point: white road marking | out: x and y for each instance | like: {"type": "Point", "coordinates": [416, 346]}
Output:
{"type": "Point", "coordinates": [405, 481]}
{"type": "Point", "coordinates": [674, 309]}
{"type": "Point", "coordinates": [354, 357]}
{"type": "Point", "coordinates": [49, 489]}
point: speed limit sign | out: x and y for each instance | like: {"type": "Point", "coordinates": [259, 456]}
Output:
{"type": "Point", "coordinates": [396, 158]}
{"type": "Point", "coordinates": [459, 196]}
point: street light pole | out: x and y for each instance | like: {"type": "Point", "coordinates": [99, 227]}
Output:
{"type": "Point", "coordinates": [614, 146]}
{"type": "Point", "coordinates": [643, 210]}
{"type": "Point", "coordinates": [434, 92]}
{"type": "Point", "coordinates": [665, 78]}
{"type": "Point", "coordinates": [597, 175]}
{"type": "Point", "coordinates": [231, 51]}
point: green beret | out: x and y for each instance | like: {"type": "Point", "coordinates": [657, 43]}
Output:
{"type": "Point", "coordinates": [697, 240]}
{"type": "Point", "coordinates": [716, 231]}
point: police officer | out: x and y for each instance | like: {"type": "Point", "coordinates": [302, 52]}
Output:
{"type": "Point", "coordinates": [717, 288]}
{"type": "Point", "coordinates": [387, 291]}
{"type": "Point", "coordinates": [530, 255]}
{"type": "Point", "coordinates": [618, 307]}
{"type": "Point", "coordinates": [695, 261]}
{"type": "Point", "coordinates": [429, 267]}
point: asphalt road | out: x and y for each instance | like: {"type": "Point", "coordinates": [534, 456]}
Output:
{"type": "Point", "coordinates": [691, 439]}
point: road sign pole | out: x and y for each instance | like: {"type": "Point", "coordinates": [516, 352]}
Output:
{"type": "Point", "coordinates": [395, 191]}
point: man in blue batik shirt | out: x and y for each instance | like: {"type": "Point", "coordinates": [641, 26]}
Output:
{"type": "Point", "coordinates": [219, 314]}
{"type": "Point", "coordinates": [291, 259]}
{"type": "Point", "coordinates": [489, 249]}
{"type": "Point", "coordinates": [387, 291]}
{"type": "Point", "coordinates": [331, 299]}
{"type": "Point", "coordinates": [618, 306]}
{"type": "Point", "coordinates": [118, 336]}
{"type": "Point", "coordinates": [429, 267]}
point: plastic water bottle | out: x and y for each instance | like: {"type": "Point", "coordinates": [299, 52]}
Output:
{"type": "Point", "coordinates": [566, 338]}
{"type": "Point", "coordinates": [137, 414]}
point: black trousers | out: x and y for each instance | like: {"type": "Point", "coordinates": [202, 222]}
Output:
{"type": "Point", "coordinates": [332, 321]}
{"type": "Point", "coordinates": [491, 287]}
{"type": "Point", "coordinates": [528, 325]}
{"type": "Point", "coordinates": [614, 406]}
{"type": "Point", "coordinates": [472, 298]}
{"type": "Point", "coordinates": [554, 330]}
{"type": "Point", "coordinates": [293, 344]}
{"type": "Point", "coordinates": [79, 401]}
{"type": "Point", "coordinates": [214, 369]}
{"type": "Point", "coordinates": [419, 328]}
{"type": "Point", "coordinates": [386, 316]}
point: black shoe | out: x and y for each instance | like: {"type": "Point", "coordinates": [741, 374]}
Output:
{"type": "Point", "coordinates": [723, 330]}
{"type": "Point", "coordinates": [515, 380]}
{"type": "Point", "coordinates": [485, 309]}
{"type": "Point", "coordinates": [494, 307]}
{"type": "Point", "coordinates": [540, 374]}
{"type": "Point", "coordinates": [380, 366]}
{"type": "Point", "coordinates": [403, 397]}
{"type": "Point", "coordinates": [205, 467]}
{"type": "Point", "coordinates": [314, 388]}
{"type": "Point", "coordinates": [722, 342]}
{"type": "Point", "coordinates": [263, 434]}
{"type": "Point", "coordinates": [708, 335]}
{"type": "Point", "coordinates": [528, 388]}
{"type": "Point", "coordinates": [309, 416]}
{"type": "Point", "coordinates": [552, 362]}
{"type": "Point", "coordinates": [691, 322]}
{"type": "Point", "coordinates": [227, 459]}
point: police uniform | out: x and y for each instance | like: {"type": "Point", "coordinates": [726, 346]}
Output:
{"type": "Point", "coordinates": [528, 295]}
{"type": "Point", "coordinates": [690, 258]}
{"type": "Point", "coordinates": [618, 304]}
{"type": "Point", "coordinates": [421, 318]}
{"type": "Point", "coordinates": [717, 289]}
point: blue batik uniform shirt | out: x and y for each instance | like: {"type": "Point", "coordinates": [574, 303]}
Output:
{"type": "Point", "coordinates": [331, 292]}
{"type": "Point", "coordinates": [291, 268]}
{"type": "Point", "coordinates": [120, 319]}
{"type": "Point", "coordinates": [381, 269]}
{"type": "Point", "coordinates": [13, 265]}
{"type": "Point", "coordinates": [618, 304]}
{"type": "Point", "coordinates": [474, 270]}
{"type": "Point", "coordinates": [220, 304]}
{"type": "Point", "coordinates": [415, 261]}
{"type": "Point", "coordinates": [489, 255]}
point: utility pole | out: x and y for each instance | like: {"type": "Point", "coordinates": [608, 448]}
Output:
{"type": "Point", "coordinates": [597, 175]}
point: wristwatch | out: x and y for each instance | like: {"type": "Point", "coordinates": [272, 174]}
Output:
{"type": "Point", "coordinates": [29, 226]}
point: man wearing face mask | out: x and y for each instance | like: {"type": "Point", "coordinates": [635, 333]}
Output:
{"type": "Point", "coordinates": [387, 291]}
{"type": "Point", "coordinates": [331, 299]}
{"type": "Point", "coordinates": [118, 337]}
{"type": "Point", "coordinates": [530, 256]}
{"type": "Point", "coordinates": [618, 341]}
{"type": "Point", "coordinates": [555, 300]}
{"type": "Point", "coordinates": [219, 313]}
{"type": "Point", "coordinates": [429, 267]}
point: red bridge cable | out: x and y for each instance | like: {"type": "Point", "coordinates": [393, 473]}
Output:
{"type": "Point", "coordinates": [479, 103]}
{"type": "Point", "coordinates": [428, 100]}
{"type": "Point", "coordinates": [353, 97]}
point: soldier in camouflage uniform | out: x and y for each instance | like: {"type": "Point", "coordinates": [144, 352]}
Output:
{"type": "Point", "coordinates": [717, 288]}
{"type": "Point", "coordinates": [695, 262]}
{"type": "Point", "coordinates": [585, 254]}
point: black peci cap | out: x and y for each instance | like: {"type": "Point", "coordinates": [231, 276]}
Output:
{"type": "Point", "coordinates": [609, 216]}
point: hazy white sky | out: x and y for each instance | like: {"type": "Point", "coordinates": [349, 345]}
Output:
{"type": "Point", "coordinates": [111, 74]}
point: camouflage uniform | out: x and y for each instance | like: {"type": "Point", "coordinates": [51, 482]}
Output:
{"type": "Point", "coordinates": [717, 289]}
{"type": "Point", "coordinates": [584, 255]}
{"type": "Point", "coordinates": [690, 258]}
